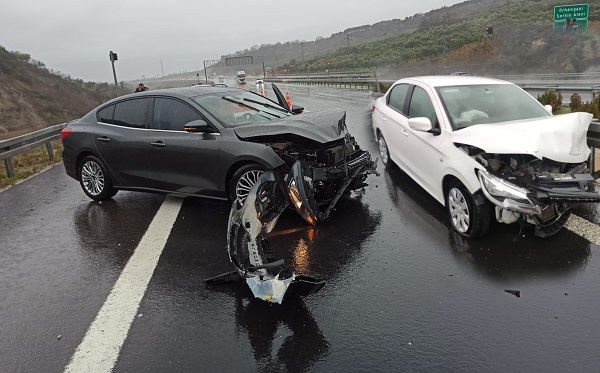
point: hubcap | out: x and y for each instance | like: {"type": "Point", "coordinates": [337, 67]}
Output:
{"type": "Point", "coordinates": [383, 151]}
{"type": "Point", "coordinates": [459, 210]}
{"type": "Point", "coordinates": [92, 178]}
{"type": "Point", "coordinates": [245, 183]}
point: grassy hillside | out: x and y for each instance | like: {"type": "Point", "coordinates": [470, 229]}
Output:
{"type": "Point", "coordinates": [524, 41]}
{"type": "Point", "coordinates": [33, 97]}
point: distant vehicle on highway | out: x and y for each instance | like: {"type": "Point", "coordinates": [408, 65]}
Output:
{"type": "Point", "coordinates": [486, 149]}
{"type": "Point", "coordinates": [221, 78]}
{"type": "Point", "coordinates": [213, 142]}
{"type": "Point", "coordinates": [240, 77]}
{"type": "Point", "coordinates": [459, 73]}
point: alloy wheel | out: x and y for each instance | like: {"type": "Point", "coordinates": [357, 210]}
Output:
{"type": "Point", "coordinates": [92, 178]}
{"type": "Point", "coordinates": [383, 150]}
{"type": "Point", "coordinates": [459, 210]}
{"type": "Point", "coordinates": [245, 183]}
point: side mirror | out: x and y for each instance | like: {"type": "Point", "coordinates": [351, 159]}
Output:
{"type": "Point", "coordinates": [548, 108]}
{"type": "Point", "coordinates": [297, 109]}
{"type": "Point", "coordinates": [198, 126]}
{"type": "Point", "coordinates": [422, 124]}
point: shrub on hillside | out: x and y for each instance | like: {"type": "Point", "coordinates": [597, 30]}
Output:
{"type": "Point", "coordinates": [552, 98]}
{"type": "Point", "coordinates": [575, 103]}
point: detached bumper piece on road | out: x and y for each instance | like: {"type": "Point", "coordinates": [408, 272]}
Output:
{"type": "Point", "coordinates": [247, 244]}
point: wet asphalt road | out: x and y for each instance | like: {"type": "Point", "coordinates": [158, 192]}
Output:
{"type": "Point", "coordinates": [403, 292]}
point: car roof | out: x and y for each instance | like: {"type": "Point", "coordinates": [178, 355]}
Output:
{"type": "Point", "coordinates": [452, 80]}
{"type": "Point", "coordinates": [193, 91]}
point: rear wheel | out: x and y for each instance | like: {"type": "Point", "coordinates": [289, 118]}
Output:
{"type": "Point", "coordinates": [243, 180]}
{"type": "Point", "coordinates": [383, 150]}
{"type": "Point", "coordinates": [94, 179]}
{"type": "Point", "coordinates": [469, 216]}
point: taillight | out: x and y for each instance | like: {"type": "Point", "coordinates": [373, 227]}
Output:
{"type": "Point", "coordinates": [65, 131]}
{"type": "Point", "coordinates": [373, 108]}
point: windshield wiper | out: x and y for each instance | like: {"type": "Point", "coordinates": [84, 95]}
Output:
{"type": "Point", "coordinates": [260, 112]}
{"type": "Point", "coordinates": [279, 108]}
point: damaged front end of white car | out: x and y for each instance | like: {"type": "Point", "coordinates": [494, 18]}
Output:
{"type": "Point", "coordinates": [535, 174]}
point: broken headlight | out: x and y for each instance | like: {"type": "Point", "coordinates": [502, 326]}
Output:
{"type": "Point", "coordinates": [507, 195]}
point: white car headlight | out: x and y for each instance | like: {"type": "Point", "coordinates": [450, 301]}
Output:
{"type": "Point", "coordinates": [507, 195]}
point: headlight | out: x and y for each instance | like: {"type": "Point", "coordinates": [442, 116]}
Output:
{"type": "Point", "coordinates": [294, 193]}
{"type": "Point", "coordinates": [507, 195]}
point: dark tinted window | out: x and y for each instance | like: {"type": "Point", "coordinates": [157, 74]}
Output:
{"type": "Point", "coordinates": [421, 106]}
{"type": "Point", "coordinates": [106, 115]}
{"type": "Point", "coordinates": [172, 114]}
{"type": "Point", "coordinates": [398, 96]}
{"type": "Point", "coordinates": [132, 113]}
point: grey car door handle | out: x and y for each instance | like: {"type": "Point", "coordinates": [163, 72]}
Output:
{"type": "Point", "coordinates": [103, 139]}
{"type": "Point", "coordinates": [383, 117]}
{"type": "Point", "coordinates": [404, 132]}
{"type": "Point", "coordinates": [158, 144]}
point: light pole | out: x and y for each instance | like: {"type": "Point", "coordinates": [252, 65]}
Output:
{"type": "Point", "coordinates": [198, 76]}
{"type": "Point", "coordinates": [113, 57]}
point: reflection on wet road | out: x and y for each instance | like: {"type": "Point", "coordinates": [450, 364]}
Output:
{"type": "Point", "coordinates": [403, 292]}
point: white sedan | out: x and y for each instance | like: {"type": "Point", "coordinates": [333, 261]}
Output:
{"type": "Point", "coordinates": [485, 149]}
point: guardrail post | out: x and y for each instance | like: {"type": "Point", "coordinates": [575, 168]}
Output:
{"type": "Point", "coordinates": [49, 149]}
{"type": "Point", "coordinates": [9, 168]}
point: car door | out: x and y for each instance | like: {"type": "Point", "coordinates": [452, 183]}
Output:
{"type": "Point", "coordinates": [119, 140]}
{"type": "Point", "coordinates": [422, 155]}
{"type": "Point", "coordinates": [394, 122]}
{"type": "Point", "coordinates": [181, 161]}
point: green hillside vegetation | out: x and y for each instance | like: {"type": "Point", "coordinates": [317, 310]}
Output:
{"type": "Point", "coordinates": [524, 42]}
{"type": "Point", "coordinates": [33, 96]}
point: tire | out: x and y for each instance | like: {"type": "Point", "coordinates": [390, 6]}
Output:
{"type": "Point", "coordinates": [469, 216]}
{"type": "Point", "coordinates": [242, 181]}
{"type": "Point", "coordinates": [94, 179]}
{"type": "Point", "coordinates": [383, 150]}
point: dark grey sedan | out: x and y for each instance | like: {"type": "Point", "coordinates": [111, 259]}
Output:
{"type": "Point", "coordinates": [209, 141]}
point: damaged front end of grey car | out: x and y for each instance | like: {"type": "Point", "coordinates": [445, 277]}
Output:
{"type": "Point", "coordinates": [321, 163]}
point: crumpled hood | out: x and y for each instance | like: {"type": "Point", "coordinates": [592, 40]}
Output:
{"type": "Point", "coordinates": [561, 138]}
{"type": "Point", "coordinates": [321, 126]}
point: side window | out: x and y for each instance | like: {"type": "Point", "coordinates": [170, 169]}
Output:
{"type": "Point", "coordinates": [132, 113]}
{"type": "Point", "coordinates": [106, 115]}
{"type": "Point", "coordinates": [397, 97]}
{"type": "Point", "coordinates": [172, 114]}
{"type": "Point", "coordinates": [421, 106]}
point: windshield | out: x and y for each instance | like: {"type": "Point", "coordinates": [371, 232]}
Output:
{"type": "Point", "coordinates": [238, 108]}
{"type": "Point", "coordinates": [495, 103]}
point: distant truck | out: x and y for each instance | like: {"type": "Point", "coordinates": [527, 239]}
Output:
{"type": "Point", "coordinates": [241, 77]}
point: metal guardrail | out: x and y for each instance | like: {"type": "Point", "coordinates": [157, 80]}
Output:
{"type": "Point", "coordinates": [20, 144]}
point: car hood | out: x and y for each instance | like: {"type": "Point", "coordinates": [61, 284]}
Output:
{"type": "Point", "coordinates": [562, 138]}
{"type": "Point", "coordinates": [320, 126]}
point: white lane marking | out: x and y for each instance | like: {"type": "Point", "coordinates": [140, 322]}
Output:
{"type": "Point", "coordinates": [100, 348]}
{"type": "Point", "coordinates": [584, 228]}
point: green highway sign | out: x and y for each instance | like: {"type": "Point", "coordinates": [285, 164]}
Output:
{"type": "Point", "coordinates": [576, 11]}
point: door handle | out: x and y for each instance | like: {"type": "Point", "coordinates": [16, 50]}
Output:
{"type": "Point", "coordinates": [383, 117]}
{"type": "Point", "coordinates": [404, 132]}
{"type": "Point", "coordinates": [158, 144]}
{"type": "Point", "coordinates": [103, 139]}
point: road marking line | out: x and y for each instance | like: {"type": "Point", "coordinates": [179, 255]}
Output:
{"type": "Point", "coordinates": [100, 348]}
{"type": "Point", "coordinates": [584, 228]}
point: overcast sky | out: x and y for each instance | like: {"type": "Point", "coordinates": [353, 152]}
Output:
{"type": "Point", "coordinates": [75, 36]}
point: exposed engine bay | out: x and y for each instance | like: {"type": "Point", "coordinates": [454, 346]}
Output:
{"type": "Point", "coordinates": [313, 178]}
{"type": "Point", "coordinates": [532, 190]}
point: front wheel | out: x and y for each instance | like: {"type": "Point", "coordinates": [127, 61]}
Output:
{"type": "Point", "coordinates": [94, 179]}
{"type": "Point", "coordinates": [469, 216]}
{"type": "Point", "coordinates": [243, 180]}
